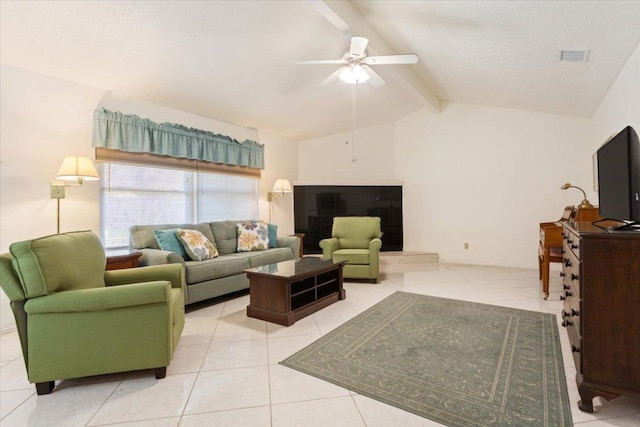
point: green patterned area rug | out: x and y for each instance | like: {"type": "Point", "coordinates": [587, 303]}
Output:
{"type": "Point", "coordinates": [454, 362]}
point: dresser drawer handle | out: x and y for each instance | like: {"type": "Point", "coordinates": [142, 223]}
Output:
{"type": "Point", "coordinates": [567, 263]}
{"type": "Point", "coordinates": [574, 277]}
{"type": "Point", "coordinates": [567, 293]}
{"type": "Point", "coordinates": [562, 274]}
{"type": "Point", "coordinates": [574, 246]}
{"type": "Point", "coordinates": [574, 313]}
{"type": "Point", "coordinates": [566, 323]}
{"type": "Point", "coordinates": [575, 349]}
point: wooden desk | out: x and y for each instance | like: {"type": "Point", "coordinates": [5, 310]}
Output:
{"type": "Point", "coordinates": [120, 259]}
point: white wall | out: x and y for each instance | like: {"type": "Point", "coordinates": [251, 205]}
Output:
{"type": "Point", "coordinates": [43, 119]}
{"type": "Point", "coordinates": [338, 159]}
{"type": "Point", "coordinates": [621, 106]}
{"type": "Point", "coordinates": [280, 162]}
{"type": "Point", "coordinates": [487, 176]}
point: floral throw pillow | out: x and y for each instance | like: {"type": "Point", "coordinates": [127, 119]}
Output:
{"type": "Point", "coordinates": [253, 237]}
{"type": "Point", "coordinates": [196, 244]}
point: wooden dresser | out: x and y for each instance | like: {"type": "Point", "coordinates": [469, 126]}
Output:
{"type": "Point", "coordinates": [601, 309]}
{"type": "Point", "coordinates": [550, 244]}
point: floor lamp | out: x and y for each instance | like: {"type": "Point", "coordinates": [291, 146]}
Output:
{"type": "Point", "coordinates": [73, 168]}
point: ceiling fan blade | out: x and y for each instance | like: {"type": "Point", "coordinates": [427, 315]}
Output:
{"type": "Point", "coordinates": [391, 59]}
{"type": "Point", "coordinates": [358, 45]}
{"type": "Point", "coordinates": [374, 77]}
{"type": "Point", "coordinates": [331, 78]}
{"type": "Point", "coordinates": [322, 61]}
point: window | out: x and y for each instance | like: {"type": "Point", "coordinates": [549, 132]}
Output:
{"type": "Point", "coordinates": [133, 195]}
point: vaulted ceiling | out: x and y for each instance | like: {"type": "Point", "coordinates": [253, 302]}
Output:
{"type": "Point", "coordinates": [236, 60]}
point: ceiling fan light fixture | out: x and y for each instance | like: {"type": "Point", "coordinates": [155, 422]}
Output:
{"type": "Point", "coordinates": [354, 74]}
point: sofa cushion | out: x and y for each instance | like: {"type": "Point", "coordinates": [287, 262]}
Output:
{"type": "Point", "coordinates": [42, 265]}
{"type": "Point", "coordinates": [252, 236]}
{"type": "Point", "coordinates": [168, 241]}
{"type": "Point", "coordinates": [228, 265]}
{"type": "Point", "coordinates": [196, 244]}
{"type": "Point", "coordinates": [226, 236]}
{"type": "Point", "coordinates": [143, 236]}
{"type": "Point", "coordinates": [351, 256]}
{"type": "Point", "coordinates": [270, 257]}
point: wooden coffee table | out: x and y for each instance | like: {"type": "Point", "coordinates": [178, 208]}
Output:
{"type": "Point", "coordinates": [288, 291]}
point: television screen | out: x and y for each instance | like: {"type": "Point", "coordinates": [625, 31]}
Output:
{"type": "Point", "coordinates": [314, 207]}
{"type": "Point", "coordinates": [619, 177]}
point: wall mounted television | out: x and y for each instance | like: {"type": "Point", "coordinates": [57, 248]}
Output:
{"type": "Point", "coordinates": [314, 207]}
{"type": "Point", "coordinates": [619, 179]}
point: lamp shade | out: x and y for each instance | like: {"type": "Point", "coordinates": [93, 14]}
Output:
{"type": "Point", "coordinates": [282, 186]}
{"type": "Point", "coordinates": [77, 168]}
{"type": "Point", "coordinates": [354, 74]}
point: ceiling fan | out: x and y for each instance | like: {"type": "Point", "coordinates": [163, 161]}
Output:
{"type": "Point", "coordinates": [356, 64]}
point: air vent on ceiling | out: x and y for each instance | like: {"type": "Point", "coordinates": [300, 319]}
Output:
{"type": "Point", "coordinates": [574, 55]}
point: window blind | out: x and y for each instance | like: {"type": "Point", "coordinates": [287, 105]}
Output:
{"type": "Point", "coordinates": [135, 195]}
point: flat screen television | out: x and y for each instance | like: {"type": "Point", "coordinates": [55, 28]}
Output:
{"type": "Point", "coordinates": [619, 179]}
{"type": "Point", "coordinates": [315, 206]}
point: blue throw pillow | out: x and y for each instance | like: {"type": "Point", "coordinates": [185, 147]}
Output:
{"type": "Point", "coordinates": [168, 241]}
{"type": "Point", "coordinates": [272, 231]}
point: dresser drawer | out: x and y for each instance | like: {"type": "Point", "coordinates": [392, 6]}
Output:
{"type": "Point", "coordinates": [575, 341]}
{"type": "Point", "coordinates": [571, 244]}
{"type": "Point", "coordinates": [571, 311]}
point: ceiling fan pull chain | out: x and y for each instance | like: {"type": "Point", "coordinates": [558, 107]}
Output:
{"type": "Point", "coordinates": [353, 136]}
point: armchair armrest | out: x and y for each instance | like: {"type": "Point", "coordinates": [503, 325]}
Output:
{"type": "Point", "coordinates": [329, 246]}
{"type": "Point", "coordinates": [157, 256]}
{"type": "Point", "coordinates": [375, 244]}
{"type": "Point", "coordinates": [96, 299]}
{"type": "Point", "coordinates": [170, 272]}
{"type": "Point", "coordinates": [291, 242]}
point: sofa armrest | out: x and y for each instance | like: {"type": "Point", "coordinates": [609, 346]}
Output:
{"type": "Point", "coordinates": [96, 299]}
{"type": "Point", "coordinates": [173, 273]}
{"type": "Point", "coordinates": [329, 246]}
{"type": "Point", "coordinates": [157, 256]}
{"type": "Point", "coordinates": [291, 242]}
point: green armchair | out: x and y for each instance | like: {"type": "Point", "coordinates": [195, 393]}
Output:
{"type": "Point", "coordinates": [356, 240]}
{"type": "Point", "coordinates": [75, 319]}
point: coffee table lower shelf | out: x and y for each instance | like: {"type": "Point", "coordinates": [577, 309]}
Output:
{"type": "Point", "coordinates": [285, 292]}
{"type": "Point", "coordinates": [288, 319]}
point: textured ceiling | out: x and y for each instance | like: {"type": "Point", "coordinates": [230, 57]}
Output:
{"type": "Point", "coordinates": [235, 60]}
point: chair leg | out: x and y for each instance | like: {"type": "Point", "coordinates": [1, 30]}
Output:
{"type": "Point", "coordinates": [45, 387]}
{"type": "Point", "coordinates": [161, 372]}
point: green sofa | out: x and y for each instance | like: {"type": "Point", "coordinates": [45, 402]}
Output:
{"type": "Point", "coordinates": [212, 277]}
{"type": "Point", "coordinates": [357, 241]}
{"type": "Point", "coordinates": [75, 319]}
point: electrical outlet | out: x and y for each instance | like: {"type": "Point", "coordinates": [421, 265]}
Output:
{"type": "Point", "coordinates": [466, 245]}
{"type": "Point", "coordinates": [57, 190]}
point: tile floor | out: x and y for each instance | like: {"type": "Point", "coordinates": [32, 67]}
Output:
{"type": "Point", "coordinates": [225, 371]}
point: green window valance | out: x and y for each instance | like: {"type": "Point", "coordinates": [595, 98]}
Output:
{"type": "Point", "coordinates": [130, 133]}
